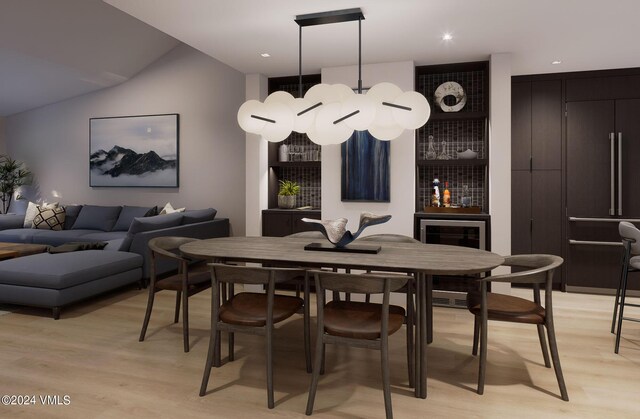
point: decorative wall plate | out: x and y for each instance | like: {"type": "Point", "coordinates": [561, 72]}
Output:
{"type": "Point", "coordinates": [450, 88]}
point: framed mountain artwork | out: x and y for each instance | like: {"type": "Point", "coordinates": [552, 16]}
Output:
{"type": "Point", "coordinates": [134, 151]}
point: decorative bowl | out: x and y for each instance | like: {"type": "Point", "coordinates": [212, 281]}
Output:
{"type": "Point", "coordinates": [468, 154]}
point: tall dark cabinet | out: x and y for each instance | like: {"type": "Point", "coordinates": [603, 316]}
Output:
{"type": "Point", "coordinates": [536, 164]}
{"type": "Point", "coordinates": [575, 139]}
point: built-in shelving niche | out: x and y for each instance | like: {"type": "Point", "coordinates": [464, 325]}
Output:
{"type": "Point", "coordinates": [467, 129]}
{"type": "Point", "coordinates": [305, 165]}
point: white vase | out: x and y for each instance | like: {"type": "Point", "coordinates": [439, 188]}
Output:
{"type": "Point", "coordinates": [283, 153]}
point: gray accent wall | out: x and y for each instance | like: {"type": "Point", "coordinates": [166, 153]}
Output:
{"type": "Point", "coordinates": [3, 147]}
{"type": "Point", "coordinates": [54, 140]}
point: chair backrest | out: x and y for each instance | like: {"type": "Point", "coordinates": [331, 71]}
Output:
{"type": "Point", "coordinates": [168, 245]}
{"type": "Point", "coordinates": [390, 238]}
{"type": "Point", "coordinates": [630, 232]}
{"type": "Point", "coordinates": [307, 235]}
{"type": "Point", "coordinates": [369, 284]}
{"type": "Point", "coordinates": [252, 275]}
{"type": "Point", "coordinates": [540, 269]}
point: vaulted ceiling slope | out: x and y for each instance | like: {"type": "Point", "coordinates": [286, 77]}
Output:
{"type": "Point", "coordinates": [54, 50]}
{"type": "Point", "coordinates": [583, 34]}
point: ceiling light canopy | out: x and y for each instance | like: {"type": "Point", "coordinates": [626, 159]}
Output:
{"type": "Point", "coordinates": [330, 113]}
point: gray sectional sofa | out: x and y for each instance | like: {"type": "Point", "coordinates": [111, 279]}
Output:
{"type": "Point", "coordinates": [54, 280]}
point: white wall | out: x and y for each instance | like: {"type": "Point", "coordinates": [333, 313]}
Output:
{"type": "Point", "coordinates": [3, 147]}
{"type": "Point", "coordinates": [54, 140]}
{"type": "Point", "coordinates": [402, 166]}
{"type": "Point", "coordinates": [257, 185]}
{"type": "Point", "coordinates": [500, 158]}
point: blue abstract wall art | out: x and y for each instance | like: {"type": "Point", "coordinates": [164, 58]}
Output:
{"type": "Point", "coordinates": [365, 168]}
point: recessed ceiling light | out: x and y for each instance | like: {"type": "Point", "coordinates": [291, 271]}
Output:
{"type": "Point", "coordinates": [556, 62]}
{"type": "Point", "coordinates": [265, 55]}
{"type": "Point", "coordinates": [447, 36]}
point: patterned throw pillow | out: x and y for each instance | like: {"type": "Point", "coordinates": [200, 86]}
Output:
{"type": "Point", "coordinates": [168, 209]}
{"type": "Point", "coordinates": [32, 211]}
{"type": "Point", "coordinates": [49, 218]}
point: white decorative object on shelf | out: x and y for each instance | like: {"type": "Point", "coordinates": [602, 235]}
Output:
{"type": "Point", "coordinates": [468, 154]}
{"type": "Point", "coordinates": [450, 88]}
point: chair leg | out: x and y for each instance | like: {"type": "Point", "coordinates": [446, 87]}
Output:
{"type": "Point", "coordinates": [217, 361]}
{"type": "Point", "coordinates": [185, 320]}
{"type": "Point", "coordinates": [176, 316]}
{"type": "Point", "coordinates": [556, 360]}
{"type": "Point", "coordinates": [623, 296]}
{"type": "Point", "coordinates": [476, 335]}
{"type": "Point", "coordinates": [386, 386]}
{"type": "Point", "coordinates": [270, 401]}
{"type": "Point", "coordinates": [616, 304]}
{"type": "Point", "coordinates": [367, 298]}
{"type": "Point", "coordinates": [317, 366]}
{"type": "Point", "coordinates": [324, 350]}
{"type": "Point", "coordinates": [231, 338]}
{"type": "Point", "coordinates": [147, 315]}
{"type": "Point", "coordinates": [210, 360]}
{"type": "Point", "coordinates": [543, 345]}
{"type": "Point", "coordinates": [307, 325]}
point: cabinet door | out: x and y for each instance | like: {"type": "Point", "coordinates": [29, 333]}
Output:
{"type": "Point", "coordinates": [546, 211]}
{"type": "Point", "coordinates": [546, 125]}
{"type": "Point", "coordinates": [589, 125]}
{"type": "Point", "coordinates": [520, 125]}
{"type": "Point", "coordinates": [276, 224]}
{"type": "Point", "coordinates": [520, 212]}
{"type": "Point", "coordinates": [628, 124]}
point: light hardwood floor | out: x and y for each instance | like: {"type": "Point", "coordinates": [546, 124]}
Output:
{"type": "Point", "coordinates": [93, 355]}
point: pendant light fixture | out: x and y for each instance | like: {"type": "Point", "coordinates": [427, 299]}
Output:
{"type": "Point", "coordinates": [329, 114]}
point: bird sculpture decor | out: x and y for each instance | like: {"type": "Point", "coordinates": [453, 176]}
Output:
{"type": "Point", "coordinates": [336, 230]}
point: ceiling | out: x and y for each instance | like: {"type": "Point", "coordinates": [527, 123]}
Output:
{"type": "Point", "coordinates": [54, 50]}
{"type": "Point", "coordinates": [584, 34]}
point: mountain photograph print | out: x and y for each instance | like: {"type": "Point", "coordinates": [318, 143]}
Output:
{"type": "Point", "coordinates": [134, 151]}
{"type": "Point", "coordinates": [365, 168]}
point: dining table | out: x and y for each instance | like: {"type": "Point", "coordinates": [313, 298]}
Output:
{"type": "Point", "coordinates": [423, 261]}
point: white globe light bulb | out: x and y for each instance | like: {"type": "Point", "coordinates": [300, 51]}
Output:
{"type": "Point", "coordinates": [246, 121]}
{"type": "Point", "coordinates": [283, 125]}
{"type": "Point", "coordinates": [419, 113]}
{"type": "Point", "coordinates": [386, 133]}
{"type": "Point", "coordinates": [366, 108]}
{"type": "Point", "coordinates": [325, 131]}
{"type": "Point", "coordinates": [279, 96]}
{"type": "Point", "coordinates": [301, 123]}
{"type": "Point", "coordinates": [384, 92]}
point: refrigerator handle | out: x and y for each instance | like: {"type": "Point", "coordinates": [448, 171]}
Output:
{"type": "Point", "coordinates": [619, 173]}
{"type": "Point", "coordinates": [613, 174]}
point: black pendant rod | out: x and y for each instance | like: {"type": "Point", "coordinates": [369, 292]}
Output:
{"type": "Point", "coordinates": [300, 61]}
{"type": "Point", "coordinates": [360, 55]}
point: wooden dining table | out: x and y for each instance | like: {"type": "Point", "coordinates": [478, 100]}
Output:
{"type": "Point", "coordinates": [418, 259]}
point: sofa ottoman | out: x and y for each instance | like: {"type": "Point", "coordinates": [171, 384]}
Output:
{"type": "Point", "coordinates": [55, 280]}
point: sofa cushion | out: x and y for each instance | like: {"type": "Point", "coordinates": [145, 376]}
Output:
{"type": "Point", "coordinates": [96, 217]}
{"type": "Point", "coordinates": [63, 270]}
{"type": "Point", "coordinates": [56, 238]}
{"type": "Point", "coordinates": [104, 236]}
{"type": "Point", "coordinates": [198, 216]}
{"type": "Point", "coordinates": [149, 224]}
{"type": "Point", "coordinates": [72, 212]}
{"type": "Point", "coordinates": [49, 218]}
{"type": "Point", "coordinates": [127, 215]}
{"type": "Point", "coordinates": [20, 235]}
{"type": "Point", "coordinates": [32, 211]}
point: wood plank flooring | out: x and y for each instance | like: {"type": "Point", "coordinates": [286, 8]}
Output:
{"type": "Point", "coordinates": [93, 355]}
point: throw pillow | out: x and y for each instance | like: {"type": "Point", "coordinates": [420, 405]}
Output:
{"type": "Point", "coordinates": [96, 217]}
{"type": "Point", "coordinates": [127, 215]}
{"type": "Point", "coordinates": [72, 215]}
{"type": "Point", "coordinates": [49, 218]}
{"type": "Point", "coordinates": [168, 209]}
{"type": "Point", "coordinates": [153, 211]}
{"type": "Point", "coordinates": [142, 224]}
{"type": "Point", "coordinates": [32, 211]}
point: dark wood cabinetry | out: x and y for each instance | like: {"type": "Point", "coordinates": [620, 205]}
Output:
{"type": "Point", "coordinates": [536, 177]}
{"type": "Point", "coordinates": [279, 223]}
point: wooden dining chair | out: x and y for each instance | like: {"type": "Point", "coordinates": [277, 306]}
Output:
{"type": "Point", "coordinates": [630, 263]}
{"type": "Point", "coordinates": [353, 323]}
{"type": "Point", "coordinates": [486, 306]}
{"type": "Point", "coordinates": [408, 289]}
{"type": "Point", "coordinates": [248, 312]}
{"type": "Point", "coordinates": [185, 282]}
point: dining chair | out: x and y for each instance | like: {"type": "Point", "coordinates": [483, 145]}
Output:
{"type": "Point", "coordinates": [353, 323]}
{"type": "Point", "coordinates": [185, 282]}
{"type": "Point", "coordinates": [248, 312]}
{"type": "Point", "coordinates": [486, 306]}
{"type": "Point", "coordinates": [408, 289]}
{"type": "Point", "coordinates": [630, 263]}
